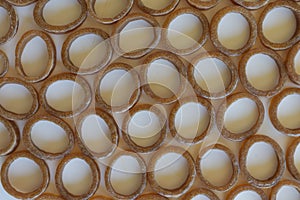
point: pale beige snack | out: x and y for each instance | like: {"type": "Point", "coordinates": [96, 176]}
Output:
{"type": "Point", "coordinates": [51, 49]}
{"type": "Point", "coordinates": [13, 191]}
{"type": "Point", "coordinates": [35, 103]}
{"type": "Point", "coordinates": [58, 29]}
{"type": "Point", "coordinates": [59, 177]}
{"type": "Point", "coordinates": [234, 163]}
{"type": "Point", "coordinates": [221, 116]}
{"type": "Point", "coordinates": [214, 30]}
{"type": "Point", "coordinates": [198, 44]}
{"type": "Point", "coordinates": [275, 178]}
{"type": "Point", "coordinates": [243, 74]}
{"type": "Point", "coordinates": [35, 150]}
{"type": "Point", "coordinates": [295, 8]}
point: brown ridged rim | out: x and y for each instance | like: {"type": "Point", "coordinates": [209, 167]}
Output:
{"type": "Point", "coordinates": [243, 188]}
{"type": "Point", "coordinates": [51, 49]}
{"type": "Point", "coordinates": [290, 160]}
{"type": "Point", "coordinates": [74, 36]}
{"type": "Point", "coordinates": [35, 103]}
{"type": "Point", "coordinates": [189, 180]}
{"type": "Point", "coordinates": [123, 13]}
{"type": "Point", "coordinates": [162, 133]}
{"type": "Point", "coordinates": [21, 2]}
{"type": "Point", "coordinates": [200, 4]}
{"type": "Point", "coordinates": [273, 111]}
{"type": "Point", "coordinates": [215, 24]}
{"type": "Point", "coordinates": [114, 132]}
{"type": "Point", "coordinates": [276, 188]}
{"type": "Point", "coordinates": [5, 179]}
{"type": "Point", "coordinates": [48, 196]}
{"type": "Point", "coordinates": [234, 163]}
{"type": "Point", "coordinates": [295, 8]}
{"type": "Point", "coordinates": [243, 75]}
{"type": "Point", "coordinates": [290, 64]}
{"type": "Point", "coordinates": [164, 11]}
{"type": "Point", "coordinates": [40, 153]}
{"type": "Point", "coordinates": [200, 191]}
{"type": "Point", "coordinates": [151, 196]}
{"type": "Point", "coordinates": [14, 134]}
{"type": "Point", "coordinates": [275, 178]}
{"type": "Point", "coordinates": [59, 177]}
{"type": "Point", "coordinates": [231, 67]}
{"type": "Point", "coordinates": [179, 66]}
{"type": "Point", "coordinates": [14, 22]}
{"type": "Point", "coordinates": [109, 170]}
{"type": "Point", "coordinates": [120, 25]}
{"type": "Point", "coordinates": [198, 137]}
{"type": "Point", "coordinates": [71, 77]}
{"type": "Point", "coordinates": [221, 117]}
{"type": "Point", "coordinates": [5, 66]}
{"type": "Point", "coordinates": [251, 5]}
{"type": "Point", "coordinates": [58, 29]}
{"type": "Point", "coordinates": [201, 41]}
{"type": "Point", "coordinates": [133, 99]}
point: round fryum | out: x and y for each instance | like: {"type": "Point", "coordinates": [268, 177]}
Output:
{"type": "Point", "coordinates": [290, 158]}
{"type": "Point", "coordinates": [14, 135]}
{"type": "Point", "coordinates": [162, 133]}
{"type": "Point", "coordinates": [234, 164]}
{"type": "Point", "coordinates": [14, 22]}
{"type": "Point", "coordinates": [251, 5]}
{"type": "Point", "coordinates": [120, 25]}
{"type": "Point", "coordinates": [51, 49]}
{"type": "Point", "coordinates": [227, 89]}
{"type": "Point", "coordinates": [200, 191]}
{"type": "Point", "coordinates": [59, 177]}
{"type": "Point", "coordinates": [48, 196]}
{"type": "Point", "coordinates": [273, 111]}
{"type": "Point", "coordinates": [5, 64]}
{"type": "Point", "coordinates": [14, 192]}
{"type": "Point", "coordinates": [291, 64]}
{"type": "Point", "coordinates": [243, 188]}
{"type": "Point", "coordinates": [221, 117]}
{"type": "Point", "coordinates": [243, 161]}
{"type": "Point", "coordinates": [180, 67]}
{"type": "Point", "coordinates": [114, 132]}
{"type": "Point", "coordinates": [21, 2]}
{"type": "Point", "coordinates": [151, 196]}
{"type": "Point", "coordinates": [71, 77]}
{"type": "Point", "coordinates": [39, 19]}
{"type": "Point", "coordinates": [198, 44]}
{"type": "Point", "coordinates": [35, 103]}
{"type": "Point", "coordinates": [215, 24]}
{"type": "Point", "coordinates": [75, 35]}
{"type": "Point", "coordinates": [199, 136]}
{"type": "Point", "coordinates": [276, 188]}
{"type": "Point", "coordinates": [203, 4]}
{"type": "Point", "coordinates": [110, 168]}
{"type": "Point", "coordinates": [187, 183]}
{"type": "Point", "coordinates": [133, 99]}
{"type": "Point", "coordinates": [40, 153]}
{"type": "Point", "coordinates": [243, 73]}
{"type": "Point", "coordinates": [157, 12]}
{"type": "Point", "coordinates": [111, 20]}
{"type": "Point", "coordinates": [295, 8]}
